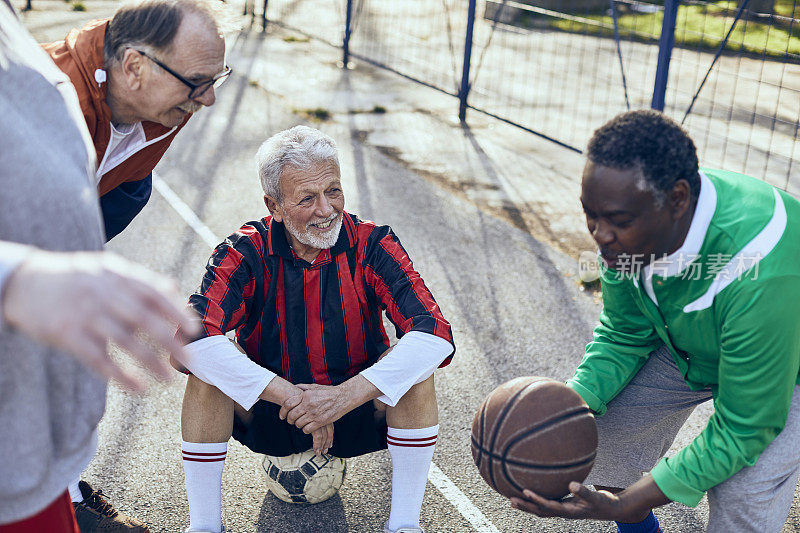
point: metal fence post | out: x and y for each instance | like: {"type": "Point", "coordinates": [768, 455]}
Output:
{"type": "Point", "coordinates": [665, 45]}
{"type": "Point", "coordinates": [263, 14]}
{"type": "Point", "coordinates": [463, 91]}
{"type": "Point", "coordinates": [347, 32]}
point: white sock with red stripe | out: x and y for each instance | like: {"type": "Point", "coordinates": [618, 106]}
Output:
{"type": "Point", "coordinates": [412, 452]}
{"type": "Point", "coordinates": [202, 466]}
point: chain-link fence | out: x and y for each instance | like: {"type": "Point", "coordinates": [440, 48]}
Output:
{"type": "Point", "coordinates": [728, 70]}
{"type": "Point", "coordinates": [746, 115]}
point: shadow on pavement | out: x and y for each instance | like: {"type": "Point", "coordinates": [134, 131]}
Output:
{"type": "Point", "coordinates": [277, 515]}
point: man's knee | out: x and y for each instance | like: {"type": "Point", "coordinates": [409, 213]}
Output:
{"type": "Point", "coordinates": [207, 414]}
{"type": "Point", "coordinates": [423, 392]}
{"type": "Point", "coordinates": [417, 408]}
{"type": "Point", "coordinates": [204, 395]}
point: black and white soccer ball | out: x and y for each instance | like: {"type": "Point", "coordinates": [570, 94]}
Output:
{"type": "Point", "coordinates": [304, 477]}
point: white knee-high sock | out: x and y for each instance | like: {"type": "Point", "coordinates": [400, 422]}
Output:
{"type": "Point", "coordinates": [202, 466]}
{"type": "Point", "coordinates": [411, 451]}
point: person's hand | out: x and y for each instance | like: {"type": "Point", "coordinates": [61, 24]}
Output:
{"type": "Point", "coordinates": [317, 406]}
{"type": "Point", "coordinates": [322, 439]}
{"type": "Point", "coordinates": [630, 505]}
{"type": "Point", "coordinates": [77, 302]}
{"type": "Point", "coordinates": [583, 502]}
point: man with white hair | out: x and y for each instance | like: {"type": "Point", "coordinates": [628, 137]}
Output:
{"type": "Point", "coordinates": [140, 75]}
{"type": "Point", "coordinates": [304, 289]}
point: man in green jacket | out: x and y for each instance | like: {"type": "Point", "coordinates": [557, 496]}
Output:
{"type": "Point", "coordinates": [701, 300]}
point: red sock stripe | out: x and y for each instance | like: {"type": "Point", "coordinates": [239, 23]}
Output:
{"type": "Point", "coordinates": [411, 443]}
{"type": "Point", "coordinates": [201, 457]}
{"type": "Point", "coordinates": [205, 454]}
{"type": "Point", "coordinates": [404, 439]}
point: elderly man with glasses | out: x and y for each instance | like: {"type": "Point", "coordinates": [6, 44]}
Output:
{"type": "Point", "coordinates": [139, 77]}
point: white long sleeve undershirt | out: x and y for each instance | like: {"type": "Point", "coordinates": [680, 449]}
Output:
{"type": "Point", "coordinates": [216, 361]}
{"type": "Point", "coordinates": [412, 360]}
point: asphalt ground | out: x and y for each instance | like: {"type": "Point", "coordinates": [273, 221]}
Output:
{"type": "Point", "coordinates": [490, 246]}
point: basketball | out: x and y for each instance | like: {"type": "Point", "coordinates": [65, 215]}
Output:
{"type": "Point", "coordinates": [533, 433]}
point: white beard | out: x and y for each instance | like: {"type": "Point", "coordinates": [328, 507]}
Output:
{"type": "Point", "coordinates": [317, 241]}
{"type": "Point", "coordinates": [191, 106]}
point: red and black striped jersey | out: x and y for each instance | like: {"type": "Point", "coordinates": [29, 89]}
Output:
{"type": "Point", "coordinates": [321, 322]}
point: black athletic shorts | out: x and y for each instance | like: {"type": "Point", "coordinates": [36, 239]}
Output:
{"type": "Point", "coordinates": [362, 430]}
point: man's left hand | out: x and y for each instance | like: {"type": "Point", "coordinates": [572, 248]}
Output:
{"type": "Point", "coordinates": [582, 503]}
{"type": "Point", "coordinates": [630, 505]}
{"type": "Point", "coordinates": [317, 406]}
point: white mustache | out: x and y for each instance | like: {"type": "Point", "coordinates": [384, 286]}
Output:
{"type": "Point", "coordinates": [329, 219]}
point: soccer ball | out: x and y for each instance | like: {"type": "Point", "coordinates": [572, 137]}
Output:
{"type": "Point", "coordinates": [304, 477]}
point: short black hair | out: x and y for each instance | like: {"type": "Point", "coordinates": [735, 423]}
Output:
{"type": "Point", "coordinates": [150, 24]}
{"type": "Point", "coordinates": [651, 141]}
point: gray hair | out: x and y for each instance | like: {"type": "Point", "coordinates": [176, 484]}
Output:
{"type": "Point", "coordinates": [645, 185]}
{"type": "Point", "coordinates": [151, 25]}
{"type": "Point", "coordinates": [300, 147]}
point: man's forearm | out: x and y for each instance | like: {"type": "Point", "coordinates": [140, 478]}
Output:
{"type": "Point", "coordinates": [358, 390]}
{"type": "Point", "coordinates": [640, 497]}
{"type": "Point", "coordinates": [278, 390]}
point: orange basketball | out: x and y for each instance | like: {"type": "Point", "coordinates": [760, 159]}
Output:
{"type": "Point", "coordinates": [533, 433]}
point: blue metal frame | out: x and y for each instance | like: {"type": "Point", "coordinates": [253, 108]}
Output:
{"type": "Point", "coordinates": [665, 45]}
{"type": "Point", "coordinates": [463, 91]}
{"type": "Point", "coordinates": [347, 32]}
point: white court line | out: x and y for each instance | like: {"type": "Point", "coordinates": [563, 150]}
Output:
{"type": "Point", "coordinates": [185, 212]}
{"type": "Point", "coordinates": [460, 501]}
{"type": "Point", "coordinates": [438, 479]}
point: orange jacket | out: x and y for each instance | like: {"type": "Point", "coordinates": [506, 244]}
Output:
{"type": "Point", "coordinates": [80, 56]}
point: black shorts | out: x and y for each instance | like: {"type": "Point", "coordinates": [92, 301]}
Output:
{"type": "Point", "coordinates": [362, 430]}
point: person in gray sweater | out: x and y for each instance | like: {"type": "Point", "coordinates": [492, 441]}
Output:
{"type": "Point", "coordinates": [56, 317]}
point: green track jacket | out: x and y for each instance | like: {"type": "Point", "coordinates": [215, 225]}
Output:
{"type": "Point", "coordinates": [727, 306]}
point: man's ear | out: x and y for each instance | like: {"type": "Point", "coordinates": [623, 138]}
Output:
{"type": "Point", "coordinates": [274, 208]}
{"type": "Point", "coordinates": [133, 68]}
{"type": "Point", "coordinates": [680, 197]}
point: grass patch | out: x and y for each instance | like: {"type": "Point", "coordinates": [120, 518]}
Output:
{"type": "Point", "coordinates": [78, 6]}
{"type": "Point", "coordinates": [295, 39]}
{"type": "Point", "coordinates": [379, 109]}
{"type": "Point", "coordinates": [317, 114]}
{"type": "Point", "coordinates": [702, 27]}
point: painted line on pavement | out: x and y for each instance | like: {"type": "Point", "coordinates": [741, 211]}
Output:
{"type": "Point", "coordinates": [185, 212]}
{"type": "Point", "coordinates": [460, 501]}
{"type": "Point", "coordinates": [438, 479]}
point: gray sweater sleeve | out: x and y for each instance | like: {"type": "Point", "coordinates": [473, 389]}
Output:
{"type": "Point", "coordinates": [50, 404]}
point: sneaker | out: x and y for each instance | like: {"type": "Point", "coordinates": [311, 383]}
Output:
{"type": "Point", "coordinates": [403, 530]}
{"type": "Point", "coordinates": [95, 513]}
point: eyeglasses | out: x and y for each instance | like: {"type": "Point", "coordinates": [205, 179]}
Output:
{"type": "Point", "coordinates": [196, 90]}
